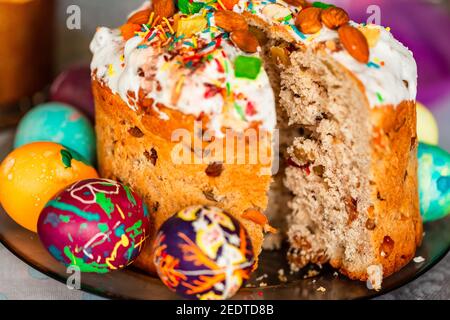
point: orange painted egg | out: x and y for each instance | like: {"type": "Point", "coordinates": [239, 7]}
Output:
{"type": "Point", "coordinates": [32, 174]}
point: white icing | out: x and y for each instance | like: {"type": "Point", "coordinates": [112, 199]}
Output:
{"type": "Point", "coordinates": [121, 75]}
{"type": "Point", "coordinates": [117, 62]}
{"type": "Point", "coordinates": [384, 85]}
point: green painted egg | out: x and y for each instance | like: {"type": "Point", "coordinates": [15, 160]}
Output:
{"type": "Point", "coordinates": [434, 182]}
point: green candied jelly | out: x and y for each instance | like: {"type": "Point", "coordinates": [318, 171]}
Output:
{"type": "Point", "coordinates": [434, 182]}
{"type": "Point", "coordinates": [188, 7]}
{"type": "Point", "coordinates": [247, 67]}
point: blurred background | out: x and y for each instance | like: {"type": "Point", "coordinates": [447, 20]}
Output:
{"type": "Point", "coordinates": [422, 25]}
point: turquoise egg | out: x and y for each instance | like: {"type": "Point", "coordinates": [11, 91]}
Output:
{"type": "Point", "coordinates": [60, 123]}
{"type": "Point", "coordinates": [434, 182]}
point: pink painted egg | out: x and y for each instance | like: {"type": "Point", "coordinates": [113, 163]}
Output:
{"type": "Point", "coordinates": [73, 87]}
{"type": "Point", "coordinates": [98, 225]}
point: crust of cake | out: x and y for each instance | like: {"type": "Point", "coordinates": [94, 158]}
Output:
{"type": "Point", "coordinates": [395, 215]}
{"type": "Point", "coordinates": [125, 140]}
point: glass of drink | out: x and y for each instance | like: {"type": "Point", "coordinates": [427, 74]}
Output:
{"type": "Point", "coordinates": [25, 55]}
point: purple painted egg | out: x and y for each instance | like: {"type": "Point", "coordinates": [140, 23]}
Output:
{"type": "Point", "coordinates": [73, 87]}
{"type": "Point", "coordinates": [203, 253]}
{"type": "Point", "coordinates": [98, 225]}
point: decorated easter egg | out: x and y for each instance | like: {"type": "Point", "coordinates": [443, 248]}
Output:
{"type": "Point", "coordinates": [427, 128]}
{"type": "Point", "coordinates": [203, 253]}
{"type": "Point", "coordinates": [73, 86]}
{"type": "Point", "coordinates": [434, 182]}
{"type": "Point", "coordinates": [98, 225]}
{"type": "Point", "coordinates": [56, 122]}
{"type": "Point", "coordinates": [32, 174]}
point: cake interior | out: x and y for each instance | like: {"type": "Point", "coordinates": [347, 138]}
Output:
{"type": "Point", "coordinates": [324, 159]}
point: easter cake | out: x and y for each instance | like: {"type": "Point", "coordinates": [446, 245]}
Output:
{"type": "Point", "coordinates": [337, 98]}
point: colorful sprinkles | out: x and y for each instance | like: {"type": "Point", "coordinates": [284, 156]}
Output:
{"type": "Point", "coordinates": [380, 97]}
{"type": "Point", "coordinates": [193, 42]}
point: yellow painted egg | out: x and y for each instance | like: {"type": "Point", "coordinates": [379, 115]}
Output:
{"type": "Point", "coordinates": [427, 128]}
{"type": "Point", "coordinates": [32, 174]}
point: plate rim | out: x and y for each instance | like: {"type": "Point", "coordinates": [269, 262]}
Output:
{"type": "Point", "coordinates": [113, 296]}
{"type": "Point", "coordinates": [109, 294]}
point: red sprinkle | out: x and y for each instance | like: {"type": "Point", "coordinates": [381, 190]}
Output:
{"type": "Point", "coordinates": [218, 41]}
{"type": "Point", "coordinates": [250, 109]}
{"type": "Point", "coordinates": [211, 91]}
{"type": "Point", "coordinates": [219, 66]}
{"type": "Point", "coordinates": [193, 57]}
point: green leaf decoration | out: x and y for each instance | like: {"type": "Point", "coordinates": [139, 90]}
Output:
{"type": "Point", "coordinates": [66, 158]}
{"type": "Point", "coordinates": [188, 7]}
{"type": "Point", "coordinates": [67, 155]}
{"type": "Point", "coordinates": [240, 111]}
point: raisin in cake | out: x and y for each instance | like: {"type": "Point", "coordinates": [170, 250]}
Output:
{"type": "Point", "coordinates": [337, 97]}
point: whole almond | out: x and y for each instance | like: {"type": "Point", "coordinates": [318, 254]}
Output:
{"type": "Point", "coordinates": [245, 40]}
{"type": "Point", "coordinates": [334, 17]}
{"type": "Point", "coordinates": [140, 17]}
{"type": "Point", "coordinates": [129, 30]}
{"type": "Point", "coordinates": [163, 8]}
{"type": "Point", "coordinates": [230, 21]}
{"type": "Point", "coordinates": [259, 34]}
{"type": "Point", "coordinates": [308, 20]}
{"type": "Point", "coordinates": [354, 42]}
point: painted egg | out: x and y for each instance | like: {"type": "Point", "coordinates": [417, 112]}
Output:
{"type": "Point", "coordinates": [98, 225]}
{"type": "Point", "coordinates": [73, 86]}
{"type": "Point", "coordinates": [32, 174]}
{"type": "Point", "coordinates": [203, 253]}
{"type": "Point", "coordinates": [427, 128]}
{"type": "Point", "coordinates": [56, 122]}
{"type": "Point", "coordinates": [434, 182]}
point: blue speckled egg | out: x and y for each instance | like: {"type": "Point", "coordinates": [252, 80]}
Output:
{"type": "Point", "coordinates": [434, 182]}
{"type": "Point", "coordinates": [98, 225]}
{"type": "Point", "coordinates": [203, 253]}
{"type": "Point", "coordinates": [60, 123]}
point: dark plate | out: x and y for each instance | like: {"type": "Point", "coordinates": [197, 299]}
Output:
{"type": "Point", "coordinates": [133, 284]}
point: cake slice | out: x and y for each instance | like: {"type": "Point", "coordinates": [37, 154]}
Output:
{"type": "Point", "coordinates": [341, 96]}
{"type": "Point", "coordinates": [351, 149]}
